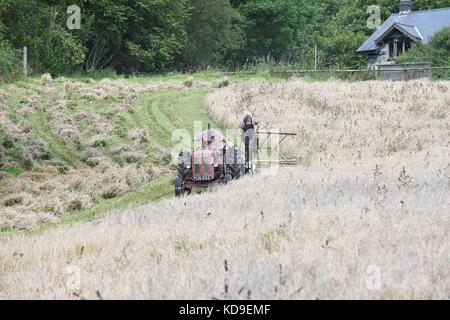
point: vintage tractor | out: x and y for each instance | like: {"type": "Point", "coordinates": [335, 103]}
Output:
{"type": "Point", "coordinates": [216, 160]}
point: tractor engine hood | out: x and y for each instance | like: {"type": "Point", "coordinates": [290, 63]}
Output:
{"type": "Point", "coordinates": [203, 163]}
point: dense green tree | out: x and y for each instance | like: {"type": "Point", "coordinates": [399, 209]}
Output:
{"type": "Point", "coordinates": [158, 35]}
{"type": "Point", "coordinates": [2, 26]}
{"type": "Point", "coordinates": [214, 34]}
{"type": "Point", "coordinates": [345, 30]}
{"type": "Point", "coordinates": [430, 4]}
{"type": "Point", "coordinates": [39, 26]}
{"type": "Point", "coordinates": [130, 36]}
{"type": "Point", "coordinates": [142, 35]}
{"type": "Point", "coordinates": [275, 29]}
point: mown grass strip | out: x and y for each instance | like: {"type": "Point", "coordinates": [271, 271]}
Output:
{"type": "Point", "coordinates": [43, 130]}
{"type": "Point", "coordinates": [157, 190]}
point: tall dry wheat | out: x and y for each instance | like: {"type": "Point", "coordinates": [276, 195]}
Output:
{"type": "Point", "coordinates": [365, 215]}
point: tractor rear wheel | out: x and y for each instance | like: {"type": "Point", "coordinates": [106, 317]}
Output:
{"type": "Point", "coordinates": [228, 178]}
{"type": "Point", "coordinates": [241, 170]}
{"type": "Point", "coordinates": [178, 187]}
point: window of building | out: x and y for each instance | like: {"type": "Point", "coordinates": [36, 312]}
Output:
{"type": "Point", "coordinates": [398, 47]}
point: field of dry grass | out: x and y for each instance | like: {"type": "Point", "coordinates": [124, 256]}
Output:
{"type": "Point", "coordinates": [364, 215]}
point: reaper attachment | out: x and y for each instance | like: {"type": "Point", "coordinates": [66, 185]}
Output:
{"type": "Point", "coordinates": [261, 146]}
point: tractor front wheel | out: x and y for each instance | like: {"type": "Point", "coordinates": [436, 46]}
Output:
{"type": "Point", "coordinates": [178, 187]}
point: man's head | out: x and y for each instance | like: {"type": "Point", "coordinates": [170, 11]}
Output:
{"type": "Point", "coordinates": [248, 119]}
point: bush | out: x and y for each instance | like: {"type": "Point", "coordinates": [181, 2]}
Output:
{"type": "Point", "coordinates": [110, 194]}
{"type": "Point", "coordinates": [437, 51]}
{"type": "Point", "coordinates": [9, 65]}
{"type": "Point", "coordinates": [75, 205]}
{"type": "Point", "coordinates": [107, 73]}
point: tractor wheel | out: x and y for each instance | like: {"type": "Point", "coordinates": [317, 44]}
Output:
{"type": "Point", "coordinates": [228, 178]}
{"type": "Point", "coordinates": [183, 159]}
{"type": "Point", "coordinates": [178, 187]}
{"type": "Point", "coordinates": [241, 170]}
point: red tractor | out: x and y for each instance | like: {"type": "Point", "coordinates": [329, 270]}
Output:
{"type": "Point", "coordinates": [215, 160]}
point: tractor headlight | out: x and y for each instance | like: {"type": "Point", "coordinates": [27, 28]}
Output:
{"type": "Point", "coordinates": [216, 164]}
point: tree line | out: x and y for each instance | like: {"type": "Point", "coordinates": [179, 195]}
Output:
{"type": "Point", "coordinates": [146, 36]}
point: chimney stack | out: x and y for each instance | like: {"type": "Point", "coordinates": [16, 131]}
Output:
{"type": "Point", "coordinates": [406, 6]}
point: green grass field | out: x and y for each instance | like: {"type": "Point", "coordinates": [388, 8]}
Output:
{"type": "Point", "coordinates": [157, 114]}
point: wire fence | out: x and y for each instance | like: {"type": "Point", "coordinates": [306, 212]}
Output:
{"type": "Point", "coordinates": [21, 66]}
{"type": "Point", "coordinates": [393, 73]}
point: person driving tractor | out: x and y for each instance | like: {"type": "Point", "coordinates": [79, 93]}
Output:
{"type": "Point", "coordinates": [248, 136]}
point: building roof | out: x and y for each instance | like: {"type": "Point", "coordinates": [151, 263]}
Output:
{"type": "Point", "coordinates": [411, 32]}
{"type": "Point", "coordinates": [417, 24]}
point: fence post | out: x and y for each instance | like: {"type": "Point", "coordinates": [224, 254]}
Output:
{"type": "Point", "coordinates": [315, 57]}
{"type": "Point", "coordinates": [25, 61]}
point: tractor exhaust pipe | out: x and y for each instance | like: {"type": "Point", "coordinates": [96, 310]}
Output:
{"type": "Point", "coordinates": [209, 136]}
